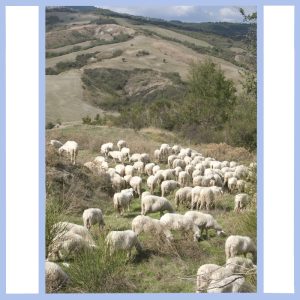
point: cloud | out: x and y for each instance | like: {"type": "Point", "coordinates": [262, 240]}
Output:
{"type": "Point", "coordinates": [187, 13]}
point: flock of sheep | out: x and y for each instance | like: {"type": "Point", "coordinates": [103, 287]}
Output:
{"type": "Point", "coordinates": [198, 182]}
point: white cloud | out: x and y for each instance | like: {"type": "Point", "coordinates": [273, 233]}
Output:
{"type": "Point", "coordinates": [180, 10]}
{"type": "Point", "coordinates": [229, 12]}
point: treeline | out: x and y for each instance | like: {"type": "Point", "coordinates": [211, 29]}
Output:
{"type": "Point", "coordinates": [210, 112]}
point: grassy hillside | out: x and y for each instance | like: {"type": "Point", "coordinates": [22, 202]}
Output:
{"type": "Point", "coordinates": [81, 38]}
{"type": "Point", "coordinates": [161, 267]}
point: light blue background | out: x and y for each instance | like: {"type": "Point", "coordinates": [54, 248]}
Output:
{"type": "Point", "coordinates": [278, 230]}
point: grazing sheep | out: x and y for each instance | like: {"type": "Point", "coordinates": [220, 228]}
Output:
{"type": "Point", "coordinates": [232, 164]}
{"type": "Point", "coordinates": [118, 182]}
{"type": "Point", "coordinates": [179, 163]}
{"type": "Point", "coordinates": [176, 149]}
{"type": "Point", "coordinates": [135, 157]}
{"type": "Point", "coordinates": [173, 221]}
{"type": "Point", "coordinates": [190, 169]}
{"type": "Point", "coordinates": [126, 152]}
{"type": "Point", "coordinates": [121, 144]}
{"type": "Point", "coordinates": [236, 245]}
{"type": "Point", "coordinates": [105, 148]}
{"type": "Point", "coordinates": [122, 200]}
{"type": "Point", "coordinates": [204, 274]}
{"type": "Point", "coordinates": [144, 194]}
{"type": "Point", "coordinates": [120, 169]}
{"type": "Point", "coordinates": [224, 164]}
{"type": "Point", "coordinates": [187, 160]}
{"type": "Point", "coordinates": [216, 180]}
{"type": "Point", "coordinates": [93, 167]}
{"type": "Point", "coordinates": [196, 173]}
{"type": "Point", "coordinates": [117, 156]}
{"type": "Point", "coordinates": [158, 155]}
{"type": "Point", "coordinates": [99, 159]}
{"type": "Point", "coordinates": [69, 240]}
{"type": "Point", "coordinates": [240, 201]}
{"type": "Point", "coordinates": [240, 185]}
{"type": "Point", "coordinates": [152, 182]}
{"type": "Point", "coordinates": [204, 198]}
{"type": "Point", "coordinates": [145, 158]}
{"type": "Point", "coordinates": [136, 183]}
{"type": "Point", "coordinates": [168, 174]}
{"type": "Point", "coordinates": [129, 170]}
{"type": "Point", "coordinates": [177, 171]}
{"type": "Point", "coordinates": [56, 144]}
{"type": "Point", "coordinates": [122, 240]}
{"type": "Point", "coordinates": [241, 172]}
{"type": "Point", "coordinates": [171, 158]}
{"type": "Point", "coordinates": [230, 284]}
{"type": "Point", "coordinates": [184, 178]}
{"type": "Point", "coordinates": [168, 186]}
{"type": "Point", "coordinates": [239, 264]}
{"type": "Point", "coordinates": [205, 222]}
{"type": "Point", "coordinates": [218, 192]}
{"type": "Point", "coordinates": [139, 166]}
{"type": "Point", "coordinates": [165, 149]}
{"type": "Point", "coordinates": [70, 147]}
{"type": "Point", "coordinates": [149, 225]}
{"type": "Point", "coordinates": [232, 182]}
{"type": "Point", "coordinates": [155, 169]}
{"type": "Point", "coordinates": [149, 168]}
{"type": "Point", "coordinates": [183, 196]}
{"type": "Point", "coordinates": [151, 204]}
{"type": "Point", "coordinates": [92, 216]}
{"type": "Point", "coordinates": [55, 277]}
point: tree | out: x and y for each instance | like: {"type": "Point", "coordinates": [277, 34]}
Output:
{"type": "Point", "coordinates": [211, 96]}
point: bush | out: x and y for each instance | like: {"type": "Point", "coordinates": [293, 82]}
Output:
{"type": "Point", "coordinates": [50, 125]}
{"type": "Point", "coordinates": [95, 271]}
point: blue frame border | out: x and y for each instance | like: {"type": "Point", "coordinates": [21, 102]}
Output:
{"type": "Point", "coordinates": [42, 4]}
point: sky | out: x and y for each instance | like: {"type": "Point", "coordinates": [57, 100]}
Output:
{"type": "Point", "coordinates": [186, 13]}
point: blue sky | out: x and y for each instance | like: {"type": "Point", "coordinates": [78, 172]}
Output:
{"type": "Point", "coordinates": [185, 13]}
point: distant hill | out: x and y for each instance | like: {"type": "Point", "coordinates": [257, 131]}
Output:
{"type": "Point", "coordinates": [85, 41]}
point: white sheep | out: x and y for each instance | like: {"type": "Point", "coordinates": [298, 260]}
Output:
{"type": "Point", "coordinates": [92, 216]}
{"type": "Point", "coordinates": [55, 277]}
{"type": "Point", "coordinates": [126, 152]}
{"type": "Point", "coordinates": [55, 143]}
{"type": "Point", "coordinates": [184, 178]}
{"type": "Point", "coordinates": [168, 186]}
{"type": "Point", "coordinates": [165, 149]}
{"type": "Point", "coordinates": [240, 201]}
{"type": "Point", "coordinates": [155, 169]}
{"type": "Point", "coordinates": [183, 196]}
{"type": "Point", "coordinates": [105, 148]}
{"type": "Point", "coordinates": [145, 158]}
{"type": "Point", "coordinates": [205, 222]}
{"type": "Point", "coordinates": [190, 169]}
{"type": "Point", "coordinates": [136, 183]}
{"type": "Point", "coordinates": [118, 182]}
{"type": "Point", "coordinates": [122, 240]}
{"type": "Point", "coordinates": [240, 185]}
{"type": "Point", "coordinates": [239, 264]}
{"type": "Point", "coordinates": [135, 157]}
{"type": "Point", "coordinates": [229, 284]}
{"type": "Point", "coordinates": [153, 182]}
{"type": "Point", "coordinates": [149, 225]}
{"type": "Point", "coordinates": [232, 182]}
{"type": "Point", "coordinates": [232, 164]}
{"type": "Point", "coordinates": [120, 169]}
{"type": "Point", "coordinates": [151, 204]}
{"type": "Point", "coordinates": [218, 192]}
{"type": "Point", "coordinates": [177, 171]}
{"type": "Point", "coordinates": [203, 197]}
{"type": "Point", "coordinates": [129, 170]}
{"type": "Point", "coordinates": [148, 168]}
{"type": "Point", "coordinates": [176, 149]}
{"type": "Point", "coordinates": [99, 159]}
{"type": "Point", "coordinates": [171, 158]}
{"type": "Point", "coordinates": [179, 163]}
{"type": "Point", "coordinates": [236, 245]}
{"type": "Point", "coordinates": [71, 148]}
{"type": "Point", "coordinates": [204, 275]}
{"type": "Point", "coordinates": [121, 144]}
{"type": "Point", "coordinates": [158, 155]}
{"type": "Point", "coordinates": [241, 172]}
{"type": "Point", "coordinates": [69, 239]}
{"type": "Point", "coordinates": [168, 174]}
{"type": "Point", "coordinates": [117, 156]}
{"type": "Point", "coordinates": [173, 221]}
{"type": "Point", "coordinates": [139, 166]}
{"type": "Point", "coordinates": [122, 200]}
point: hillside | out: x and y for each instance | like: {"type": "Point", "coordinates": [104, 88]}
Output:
{"type": "Point", "coordinates": [87, 41]}
{"type": "Point", "coordinates": [161, 267]}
